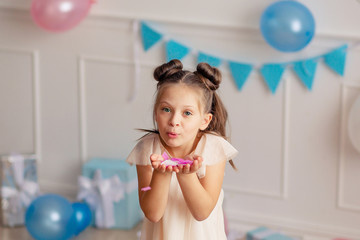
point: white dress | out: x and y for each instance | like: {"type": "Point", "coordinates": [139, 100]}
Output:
{"type": "Point", "coordinates": [177, 222]}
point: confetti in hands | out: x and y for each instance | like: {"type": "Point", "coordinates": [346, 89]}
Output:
{"type": "Point", "coordinates": [174, 161]}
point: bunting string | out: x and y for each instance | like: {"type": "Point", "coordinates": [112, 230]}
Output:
{"type": "Point", "coordinates": [304, 69]}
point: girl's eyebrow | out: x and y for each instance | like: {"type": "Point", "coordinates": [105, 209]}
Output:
{"type": "Point", "coordinates": [163, 102]}
{"type": "Point", "coordinates": [189, 106]}
{"type": "Point", "coordinates": [185, 106]}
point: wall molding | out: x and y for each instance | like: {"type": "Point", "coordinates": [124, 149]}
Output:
{"type": "Point", "coordinates": [82, 98]}
{"type": "Point", "coordinates": [233, 26]}
{"type": "Point", "coordinates": [35, 94]}
{"type": "Point", "coordinates": [341, 204]}
{"type": "Point", "coordinates": [101, 14]}
{"type": "Point", "coordinates": [82, 93]}
{"type": "Point", "coordinates": [283, 194]}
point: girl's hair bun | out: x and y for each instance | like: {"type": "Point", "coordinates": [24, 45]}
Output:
{"type": "Point", "coordinates": [167, 69]}
{"type": "Point", "coordinates": [211, 73]}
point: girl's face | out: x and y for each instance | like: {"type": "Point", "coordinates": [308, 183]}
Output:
{"type": "Point", "coordinates": [179, 116]}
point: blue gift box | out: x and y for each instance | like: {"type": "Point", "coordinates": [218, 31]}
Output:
{"type": "Point", "coordinates": [263, 233]}
{"type": "Point", "coordinates": [127, 211]}
{"type": "Point", "coordinates": [12, 205]}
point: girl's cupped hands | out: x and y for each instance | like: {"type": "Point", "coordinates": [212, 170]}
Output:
{"type": "Point", "coordinates": [162, 165]}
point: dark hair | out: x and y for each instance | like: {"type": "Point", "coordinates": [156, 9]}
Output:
{"type": "Point", "coordinates": [205, 78]}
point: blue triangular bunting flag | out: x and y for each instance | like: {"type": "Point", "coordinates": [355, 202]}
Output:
{"type": "Point", "coordinates": [211, 60]}
{"type": "Point", "coordinates": [272, 75]}
{"type": "Point", "coordinates": [336, 59]}
{"type": "Point", "coordinates": [271, 72]}
{"type": "Point", "coordinates": [240, 73]}
{"type": "Point", "coordinates": [149, 36]}
{"type": "Point", "coordinates": [175, 50]}
{"type": "Point", "coordinates": [305, 70]}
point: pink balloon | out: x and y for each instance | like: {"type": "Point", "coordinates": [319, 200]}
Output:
{"type": "Point", "coordinates": [59, 15]}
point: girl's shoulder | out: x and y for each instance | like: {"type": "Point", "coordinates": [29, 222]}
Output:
{"type": "Point", "coordinates": [148, 137]}
{"type": "Point", "coordinates": [215, 148]}
{"type": "Point", "coordinates": [214, 136]}
{"type": "Point", "coordinates": [146, 146]}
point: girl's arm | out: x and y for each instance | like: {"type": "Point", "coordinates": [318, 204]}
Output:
{"type": "Point", "coordinates": [201, 195]}
{"type": "Point", "coordinates": [153, 202]}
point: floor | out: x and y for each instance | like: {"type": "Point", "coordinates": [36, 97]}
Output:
{"type": "Point", "coordinates": [20, 233]}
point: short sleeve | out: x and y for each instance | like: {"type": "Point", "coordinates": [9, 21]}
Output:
{"type": "Point", "coordinates": [213, 149]}
{"type": "Point", "coordinates": [140, 155]}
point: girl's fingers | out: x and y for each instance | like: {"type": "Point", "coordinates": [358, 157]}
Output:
{"type": "Point", "coordinates": [198, 158]}
{"type": "Point", "coordinates": [195, 165]}
{"type": "Point", "coordinates": [187, 168]}
{"type": "Point", "coordinates": [156, 160]}
{"type": "Point", "coordinates": [176, 169]}
{"type": "Point", "coordinates": [156, 157]}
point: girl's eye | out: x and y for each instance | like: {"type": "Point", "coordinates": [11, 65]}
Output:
{"type": "Point", "coordinates": [187, 113]}
{"type": "Point", "coordinates": [166, 109]}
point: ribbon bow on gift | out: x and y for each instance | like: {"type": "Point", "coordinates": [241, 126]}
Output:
{"type": "Point", "coordinates": [100, 194]}
{"type": "Point", "coordinates": [24, 191]}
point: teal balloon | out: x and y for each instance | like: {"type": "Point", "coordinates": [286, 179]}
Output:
{"type": "Point", "coordinates": [288, 26]}
{"type": "Point", "coordinates": [83, 216]}
{"type": "Point", "coordinates": [50, 217]}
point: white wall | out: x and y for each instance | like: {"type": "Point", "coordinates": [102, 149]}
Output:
{"type": "Point", "coordinates": [65, 97]}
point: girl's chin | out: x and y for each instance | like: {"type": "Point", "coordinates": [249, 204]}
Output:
{"type": "Point", "coordinates": [170, 142]}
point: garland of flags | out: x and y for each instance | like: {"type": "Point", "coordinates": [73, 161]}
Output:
{"type": "Point", "coordinates": [271, 72]}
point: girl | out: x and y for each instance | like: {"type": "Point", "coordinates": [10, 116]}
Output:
{"type": "Point", "coordinates": [184, 201]}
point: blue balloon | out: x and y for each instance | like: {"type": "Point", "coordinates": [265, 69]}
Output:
{"type": "Point", "coordinates": [83, 216]}
{"type": "Point", "coordinates": [50, 217]}
{"type": "Point", "coordinates": [287, 26]}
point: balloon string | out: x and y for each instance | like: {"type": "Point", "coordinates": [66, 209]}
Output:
{"type": "Point", "coordinates": [136, 54]}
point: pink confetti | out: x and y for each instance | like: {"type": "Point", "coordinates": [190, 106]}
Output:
{"type": "Point", "coordinates": [144, 189]}
{"type": "Point", "coordinates": [174, 161]}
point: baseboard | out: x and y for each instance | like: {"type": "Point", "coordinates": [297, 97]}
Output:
{"type": "Point", "coordinates": [243, 222]}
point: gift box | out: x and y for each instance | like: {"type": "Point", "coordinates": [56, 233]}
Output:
{"type": "Point", "coordinates": [263, 233]}
{"type": "Point", "coordinates": [109, 186]}
{"type": "Point", "coordinates": [19, 187]}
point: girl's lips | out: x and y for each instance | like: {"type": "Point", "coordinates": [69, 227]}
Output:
{"type": "Point", "coordinates": [172, 135]}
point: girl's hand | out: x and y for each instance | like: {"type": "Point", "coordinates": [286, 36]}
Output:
{"type": "Point", "coordinates": [184, 169]}
{"type": "Point", "coordinates": [156, 160]}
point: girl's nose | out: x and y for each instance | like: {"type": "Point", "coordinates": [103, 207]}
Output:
{"type": "Point", "coordinates": [174, 120]}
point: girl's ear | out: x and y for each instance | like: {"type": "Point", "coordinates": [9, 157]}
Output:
{"type": "Point", "coordinates": [206, 121]}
